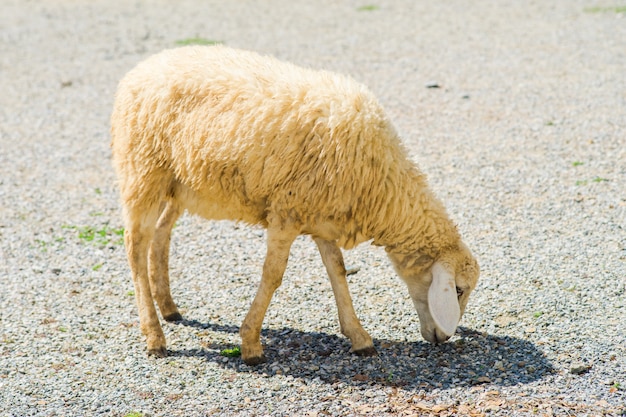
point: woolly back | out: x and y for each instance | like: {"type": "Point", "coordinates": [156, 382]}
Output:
{"type": "Point", "coordinates": [311, 144]}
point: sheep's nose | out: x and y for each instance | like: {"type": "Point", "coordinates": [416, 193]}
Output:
{"type": "Point", "coordinates": [435, 336]}
{"type": "Point", "coordinates": [440, 337]}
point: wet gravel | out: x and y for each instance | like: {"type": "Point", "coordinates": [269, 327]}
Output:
{"type": "Point", "coordinates": [523, 137]}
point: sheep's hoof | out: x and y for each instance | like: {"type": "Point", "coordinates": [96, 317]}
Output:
{"type": "Point", "coordinates": [368, 351]}
{"type": "Point", "coordinates": [173, 317]}
{"type": "Point", "coordinates": [255, 360]}
{"type": "Point", "coordinates": [158, 352]}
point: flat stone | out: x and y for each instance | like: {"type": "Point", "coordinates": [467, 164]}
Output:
{"type": "Point", "coordinates": [580, 368]}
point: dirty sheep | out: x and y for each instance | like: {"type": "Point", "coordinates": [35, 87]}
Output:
{"type": "Point", "coordinates": [231, 134]}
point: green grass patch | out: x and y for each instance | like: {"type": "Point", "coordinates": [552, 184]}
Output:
{"type": "Point", "coordinates": [231, 353]}
{"type": "Point", "coordinates": [538, 314]}
{"type": "Point", "coordinates": [43, 245]}
{"type": "Point", "coordinates": [133, 414]}
{"type": "Point", "coordinates": [596, 179]}
{"type": "Point", "coordinates": [197, 41]}
{"type": "Point", "coordinates": [368, 8]}
{"type": "Point", "coordinates": [577, 163]}
{"type": "Point", "coordinates": [103, 235]}
{"type": "Point", "coordinates": [96, 267]}
{"type": "Point", "coordinates": [612, 9]}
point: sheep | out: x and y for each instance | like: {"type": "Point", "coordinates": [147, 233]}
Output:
{"type": "Point", "coordinates": [232, 135]}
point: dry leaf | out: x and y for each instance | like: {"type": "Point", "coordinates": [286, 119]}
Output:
{"type": "Point", "coordinates": [422, 406]}
{"type": "Point", "coordinates": [482, 380]}
{"type": "Point", "coordinates": [440, 407]}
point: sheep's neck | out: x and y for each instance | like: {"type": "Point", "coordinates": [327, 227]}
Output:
{"type": "Point", "coordinates": [414, 220]}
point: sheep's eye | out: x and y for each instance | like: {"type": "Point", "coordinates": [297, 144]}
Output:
{"type": "Point", "coordinates": [459, 292]}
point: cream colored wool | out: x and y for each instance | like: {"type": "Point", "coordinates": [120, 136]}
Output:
{"type": "Point", "coordinates": [230, 134]}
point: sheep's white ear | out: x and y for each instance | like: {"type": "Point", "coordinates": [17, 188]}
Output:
{"type": "Point", "coordinates": [442, 300]}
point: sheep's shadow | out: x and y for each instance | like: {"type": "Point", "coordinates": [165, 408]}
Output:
{"type": "Point", "coordinates": [474, 358]}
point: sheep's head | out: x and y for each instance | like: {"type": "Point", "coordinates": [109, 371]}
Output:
{"type": "Point", "coordinates": [440, 288]}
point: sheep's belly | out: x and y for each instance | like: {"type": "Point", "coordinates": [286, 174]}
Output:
{"type": "Point", "coordinates": [215, 205]}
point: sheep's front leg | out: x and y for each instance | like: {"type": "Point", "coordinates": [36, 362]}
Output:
{"type": "Point", "coordinates": [278, 245]}
{"type": "Point", "coordinates": [348, 321]}
{"type": "Point", "coordinates": [159, 262]}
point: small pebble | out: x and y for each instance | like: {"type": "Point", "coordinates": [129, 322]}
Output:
{"type": "Point", "coordinates": [580, 368]}
{"type": "Point", "coordinates": [352, 269]}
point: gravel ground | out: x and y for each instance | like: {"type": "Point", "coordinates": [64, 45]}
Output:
{"type": "Point", "coordinates": [515, 110]}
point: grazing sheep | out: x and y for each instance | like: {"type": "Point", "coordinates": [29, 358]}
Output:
{"type": "Point", "coordinates": [229, 134]}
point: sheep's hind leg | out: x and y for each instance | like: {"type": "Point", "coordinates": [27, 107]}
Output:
{"type": "Point", "coordinates": [159, 262]}
{"type": "Point", "coordinates": [278, 245]}
{"type": "Point", "coordinates": [138, 236]}
{"type": "Point", "coordinates": [348, 321]}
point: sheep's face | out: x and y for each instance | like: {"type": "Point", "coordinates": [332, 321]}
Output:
{"type": "Point", "coordinates": [439, 288]}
